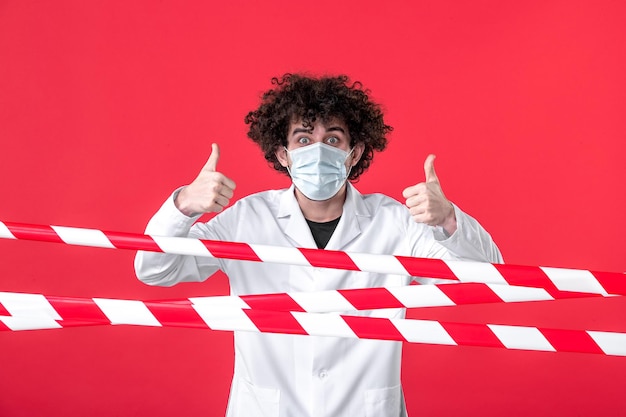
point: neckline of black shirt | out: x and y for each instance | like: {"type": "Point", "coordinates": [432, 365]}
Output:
{"type": "Point", "coordinates": [322, 232]}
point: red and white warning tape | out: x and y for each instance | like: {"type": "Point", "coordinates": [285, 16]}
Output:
{"type": "Point", "coordinates": [550, 279]}
{"type": "Point", "coordinates": [330, 301]}
{"type": "Point", "coordinates": [33, 311]}
{"type": "Point", "coordinates": [299, 313]}
{"type": "Point", "coordinates": [412, 296]}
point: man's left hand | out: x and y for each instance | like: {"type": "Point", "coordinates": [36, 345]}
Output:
{"type": "Point", "coordinates": [427, 203]}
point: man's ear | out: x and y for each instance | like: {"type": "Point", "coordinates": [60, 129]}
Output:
{"type": "Point", "coordinates": [357, 153]}
{"type": "Point", "coordinates": [282, 156]}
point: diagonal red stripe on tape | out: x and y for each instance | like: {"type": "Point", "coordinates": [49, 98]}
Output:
{"type": "Point", "coordinates": [231, 250]}
{"type": "Point", "coordinates": [558, 294]}
{"type": "Point", "coordinates": [613, 282]}
{"type": "Point", "coordinates": [180, 314]}
{"type": "Point", "coordinates": [470, 334]}
{"type": "Point", "coordinates": [33, 232]}
{"type": "Point", "coordinates": [426, 267]}
{"type": "Point", "coordinates": [79, 323]}
{"type": "Point", "coordinates": [373, 328]}
{"type": "Point", "coordinates": [4, 311]}
{"type": "Point", "coordinates": [371, 298]}
{"type": "Point", "coordinates": [527, 276]}
{"type": "Point", "coordinates": [275, 322]}
{"type": "Point", "coordinates": [329, 259]}
{"type": "Point", "coordinates": [132, 241]}
{"type": "Point", "coordinates": [470, 293]}
{"type": "Point", "coordinates": [77, 309]}
{"type": "Point", "coordinates": [3, 327]}
{"type": "Point", "coordinates": [571, 341]}
{"type": "Point", "coordinates": [274, 302]}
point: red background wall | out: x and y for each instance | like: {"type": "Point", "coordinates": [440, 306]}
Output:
{"type": "Point", "coordinates": [107, 106]}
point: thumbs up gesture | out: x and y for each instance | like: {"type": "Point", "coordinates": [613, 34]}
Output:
{"type": "Point", "coordinates": [427, 203]}
{"type": "Point", "coordinates": [210, 192]}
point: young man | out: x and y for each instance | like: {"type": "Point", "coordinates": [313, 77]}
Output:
{"type": "Point", "coordinates": [322, 132]}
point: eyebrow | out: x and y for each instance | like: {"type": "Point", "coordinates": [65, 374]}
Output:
{"type": "Point", "coordinates": [336, 129]}
{"type": "Point", "coordinates": [309, 130]}
{"type": "Point", "coordinates": [301, 130]}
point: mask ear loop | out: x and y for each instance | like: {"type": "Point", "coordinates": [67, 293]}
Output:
{"type": "Point", "coordinates": [287, 152]}
{"type": "Point", "coordinates": [344, 161]}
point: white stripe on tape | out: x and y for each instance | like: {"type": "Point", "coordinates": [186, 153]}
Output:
{"type": "Point", "coordinates": [280, 254]}
{"type": "Point", "coordinates": [126, 312]}
{"type": "Point", "coordinates": [610, 343]}
{"type": "Point", "coordinates": [421, 296]}
{"type": "Point", "coordinates": [324, 324]}
{"type": "Point", "coordinates": [423, 331]}
{"type": "Point", "coordinates": [18, 304]}
{"type": "Point", "coordinates": [218, 319]}
{"type": "Point", "coordinates": [574, 280]}
{"type": "Point", "coordinates": [510, 294]}
{"type": "Point", "coordinates": [30, 323]}
{"type": "Point", "coordinates": [378, 263]}
{"type": "Point", "coordinates": [322, 301]}
{"type": "Point", "coordinates": [476, 272]}
{"type": "Point", "coordinates": [218, 303]}
{"type": "Point", "coordinates": [181, 245]}
{"type": "Point", "coordinates": [521, 337]}
{"type": "Point", "coordinates": [83, 237]}
{"type": "Point", "coordinates": [5, 232]}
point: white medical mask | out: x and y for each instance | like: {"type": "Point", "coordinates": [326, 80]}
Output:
{"type": "Point", "coordinates": [318, 170]}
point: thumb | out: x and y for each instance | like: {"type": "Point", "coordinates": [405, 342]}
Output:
{"type": "Point", "coordinates": [211, 164]}
{"type": "Point", "coordinates": [429, 169]}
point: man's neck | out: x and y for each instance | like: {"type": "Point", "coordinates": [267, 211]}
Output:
{"type": "Point", "coordinates": [322, 211]}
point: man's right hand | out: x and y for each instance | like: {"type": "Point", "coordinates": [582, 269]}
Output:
{"type": "Point", "coordinates": [210, 192]}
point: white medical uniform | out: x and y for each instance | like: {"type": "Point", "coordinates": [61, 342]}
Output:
{"type": "Point", "coordinates": [291, 375]}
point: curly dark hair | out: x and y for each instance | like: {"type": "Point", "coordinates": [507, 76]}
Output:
{"type": "Point", "coordinates": [299, 97]}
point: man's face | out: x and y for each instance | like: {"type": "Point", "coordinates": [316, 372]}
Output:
{"type": "Point", "coordinates": [333, 133]}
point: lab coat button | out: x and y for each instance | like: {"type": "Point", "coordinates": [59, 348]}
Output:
{"type": "Point", "coordinates": [323, 374]}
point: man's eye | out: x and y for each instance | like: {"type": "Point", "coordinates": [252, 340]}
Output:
{"type": "Point", "coordinates": [332, 140]}
{"type": "Point", "coordinates": [303, 140]}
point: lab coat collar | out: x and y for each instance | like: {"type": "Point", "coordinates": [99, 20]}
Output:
{"type": "Point", "coordinates": [354, 218]}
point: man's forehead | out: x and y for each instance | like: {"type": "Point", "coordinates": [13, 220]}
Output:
{"type": "Point", "coordinates": [331, 123]}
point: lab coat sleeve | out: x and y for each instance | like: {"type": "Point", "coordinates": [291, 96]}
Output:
{"type": "Point", "coordinates": [470, 242]}
{"type": "Point", "coordinates": [154, 268]}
